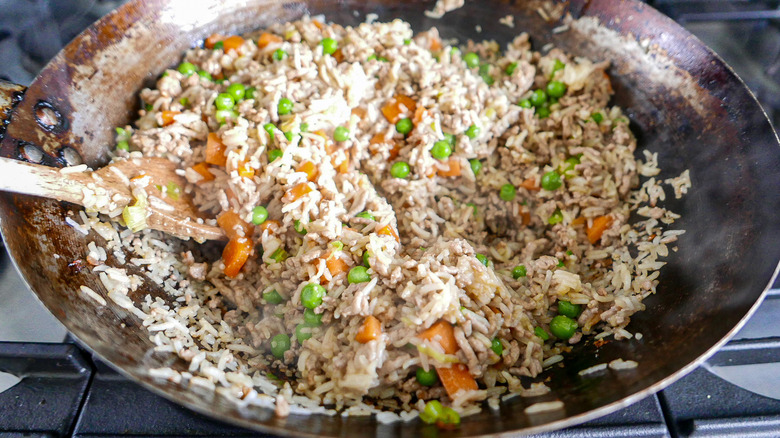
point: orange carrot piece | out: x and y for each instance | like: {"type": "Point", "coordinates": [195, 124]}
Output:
{"type": "Point", "coordinates": [338, 55]}
{"type": "Point", "coordinates": [271, 225]}
{"type": "Point", "coordinates": [435, 45]}
{"type": "Point", "coordinates": [336, 265]}
{"type": "Point", "coordinates": [230, 221]}
{"type": "Point", "coordinates": [369, 331]}
{"type": "Point", "coordinates": [235, 254]}
{"type": "Point", "coordinates": [600, 224]}
{"type": "Point", "coordinates": [456, 378]}
{"type": "Point", "coordinates": [453, 170]}
{"type": "Point", "coordinates": [310, 169]}
{"type": "Point", "coordinates": [360, 112]}
{"type": "Point", "coordinates": [578, 221]}
{"type": "Point", "coordinates": [318, 24]}
{"type": "Point", "coordinates": [215, 150]}
{"type": "Point", "coordinates": [394, 151]}
{"type": "Point", "coordinates": [377, 139]}
{"type": "Point", "coordinates": [232, 43]}
{"type": "Point", "coordinates": [526, 217]}
{"type": "Point", "coordinates": [296, 192]}
{"type": "Point", "coordinates": [167, 117]}
{"type": "Point", "coordinates": [398, 105]}
{"type": "Point", "coordinates": [212, 40]}
{"type": "Point", "coordinates": [343, 167]}
{"type": "Point", "coordinates": [245, 171]}
{"type": "Point", "coordinates": [203, 169]}
{"type": "Point", "coordinates": [268, 38]}
{"type": "Point", "coordinates": [388, 230]}
{"type": "Point", "coordinates": [530, 184]}
{"type": "Point", "coordinates": [419, 113]}
{"type": "Point", "coordinates": [442, 332]}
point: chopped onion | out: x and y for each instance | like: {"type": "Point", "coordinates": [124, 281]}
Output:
{"type": "Point", "coordinates": [135, 215]}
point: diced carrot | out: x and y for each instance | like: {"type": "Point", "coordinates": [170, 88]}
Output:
{"type": "Point", "coordinates": [245, 171]}
{"type": "Point", "coordinates": [231, 196]}
{"type": "Point", "coordinates": [377, 139]}
{"type": "Point", "coordinates": [456, 378]}
{"type": "Point", "coordinates": [338, 55]}
{"type": "Point", "coordinates": [318, 24]}
{"type": "Point", "coordinates": [435, 44]}
{"type": "Point", "coordinates": [203, 169]}
{"type": "Point", "coordinates": [233, 42]}
{"type": "Point", "coordinates": [268, 38]}
{"type": "Point", "coordinates": [530, 184]}
{"type": "Point", "coordinates": [235, 254]}
{"type": "Point", "coordinates": [310, 169]}
{"type": "Point", "coordinates": [212, 40]}
{"type": "Point", "coordinates": [271, 225]}
{"type": "Point", "coordinates": [167, 117]}
{"type": "Point", "coordinates": [296, 192]}
{"type": "Point", "coordinates": [526, 217]}
{"type": "Point", "coordinates": [419, 113]}
{"type": "Point", "coordinates": [600, 224]}
{"type": "Point", "coordinates": [360, 112]}
{"type": "Point", "coordinates": [388, 230]}
{"type": "Point", "coordinates": [230, 222]}
{"type": "Point", "coordinates": [398, 105]}
{"type": "Point", "coordinates": [336, 265]}
{"type": "Point", "coordinates": [442, 332]}
{"type": "Point", "coordinates": [215, 150]}
{"type": "Point", "coordinates": [453, 170]}
{"type": "Point", "coordinates": [394, 151]}
{"type": "Point", "coordinates": [343, 166]}
{"type": "Point", "coordinates": [369, 331]}
{"type": "Point", "coordinates": [578, 221]}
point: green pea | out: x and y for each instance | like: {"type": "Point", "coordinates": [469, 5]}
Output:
{"type": "Point", "coordinates": [122, 145]}
{"type": "Point", "coordinates": [184, 101]}
{"type": "Point", "coordinates": [471, 59]}
{"type": "Point", "coordinates": [366, 215]}
{"type": "Point", "coordinates": [538, 98]}
{"type": "Point", "coordinates": [427, 378]}
{"type": "Point", "coordinates": [311, 295]}
{"type": "Point", "coordinates": [570, 163]}
{"type": "Point", "coordinates": [450, 139]}
{"type": "Point", "coordinates": [341, 134]}
{"type": "Point", "coordinates": [556, 89]}
{"type": "Point", "coordinates": [507, 192]}
{"type": "Point", "coordinates": [400, 169]}
{"type": "Point", "coordinates": [431, 412]}
{"type": "Point", "coordinates": [560, 264]}
{"type": "Point", "coordinates": [371, 57]}
{"type": "Point", "coordinates": [205, 75]}
{"type": "Point", "coordinates": [358, 274]}
{"type": "Point", "coordinates": [279, 54]}
{"type": "Point", "coordinates": [273, 154]}
{"type": "Point", "coordinates": [304, 127]}
{"type": "Point", "coordinates": [312, 319]}
{"type": "Point", "coordinates": [566, 308]}
{"type": "Point", "coordinates": [270, 129]}
{"type": "Point", "coordinates": [482, 258]}
{"type": "Point", "coordinates": [224, 101]}
{"type": "Point", "coordinates": [259, 215]}
{"type": "Point", "coordinates": [519, 271]}
{"type": "Point", "coordinates": [219, 45]}
{"type": "Point", "coordinates": [563, 327]}
{"type": "Point", "coordinates": [511, 68]}
{"type": "Point", "coordinates": [366, 257]}
{"type": "Point", "coordinates": [250, 93]}
{"type": "Point", "coordinates": [526, 103]}
{"type": "Point", "coordinates": [303, 332]}
{"type": "Point", "coordinates": [556, 217]}
{"type": "Point", "coordinates": [288, 135]}
{"type": "Point", "coordinates": [543, 335]}
{"type": "Point", "coordinates": [223, 115]}
{"type": "Point", "coordinates": [472, 132]}
{"type": "Point", "coordinates": [449, 416]}
{"type": "Point", "coordinates": [497, 346]}
{"type": "Point", "coordinates": [476, 165]}
{"type": "Point", "coordinates": [187, 68]}
{"type": "Point", "coordinates": [285, 106]}
{"type": "Point", "coordinates": [279, 345]}
{"type": "Point", "coordinates": [404, 126]}
{"type": "Point", "coordinates": [329, 46]}
{"type": "Point", "coordinates": [551, 181]}
{"type": "Point", "coordinates": [543, 112]}
{"type": "Point", "coordinates": [279, 255]}
{"type": "Point", "coordinates": [299, 227]}
{"type": "Point", "coordinates": [237, 91]}
{"type": "Point", "coordinates": [273, 297]}
{"type": "Point", "coordinates": [441, 150]}
{"type": "Point", "coordinates": [597, 117]}
{"type": "Point", "coordinates": [148, 107]}
{"type": "Point", "coordinates": [559, 65]}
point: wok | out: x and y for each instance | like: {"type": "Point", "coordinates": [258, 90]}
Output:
{"type": "Point", "coordinates": [684, 102]}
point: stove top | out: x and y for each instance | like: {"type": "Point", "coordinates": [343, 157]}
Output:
{"type": "Point", "coordinates": [52, 387]}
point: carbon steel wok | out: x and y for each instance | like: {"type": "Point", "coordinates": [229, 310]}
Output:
{"type": "Point", "coordinates": [683, 101]}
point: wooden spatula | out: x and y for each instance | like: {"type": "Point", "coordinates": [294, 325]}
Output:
{"type": "Point", "coordinates": [174, 214]}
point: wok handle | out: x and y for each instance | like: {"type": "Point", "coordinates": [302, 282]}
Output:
{"type": "Point", "coordinates": [10, 95]}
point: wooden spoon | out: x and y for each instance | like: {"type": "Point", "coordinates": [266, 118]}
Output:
{"type": "Point", "coordinates": [170, 214]}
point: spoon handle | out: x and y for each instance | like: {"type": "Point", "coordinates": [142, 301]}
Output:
{"type": "Point", "coordinates": [37, 180]}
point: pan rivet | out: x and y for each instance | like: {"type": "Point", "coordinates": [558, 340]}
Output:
{"type": "Point", "coordinates": [47, 116]}
{"type": "Point", "coordinates": [70, 156]}
{"type": "Point", "coordinates": [31, 153]}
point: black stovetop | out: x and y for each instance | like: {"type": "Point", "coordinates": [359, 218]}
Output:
{"type": "Point", "coordinates": [65, 391]}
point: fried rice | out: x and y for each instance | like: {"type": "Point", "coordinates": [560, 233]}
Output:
{"type": "Point", "coordinates": [510, 215]}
